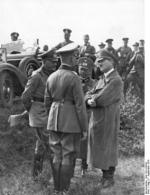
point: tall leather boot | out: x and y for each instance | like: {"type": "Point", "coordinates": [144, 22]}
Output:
{"type": "Point", "coordinates": [66, 173]}
{"type": "Point", "coordinates": [56, 175]}
{"type": "Point", "coordinates": [37, 165]}
{"type": "Point", "coordinates": [108, 177]}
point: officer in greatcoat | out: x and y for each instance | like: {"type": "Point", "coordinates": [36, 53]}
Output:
{"type": "Point", "coordinates": [104, 102]}
{"type": "Point", "coordinates": [33, 100]}
{"type": "Point", "coordinates": [67, 120]}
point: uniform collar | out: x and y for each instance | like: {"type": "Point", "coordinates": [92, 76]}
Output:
{"type": "Point", "coordinates": [66, 67]}
{"type": "Point", "coordinates": [107, 73]}
{"type": "Point", "coordinates": [87, 44]}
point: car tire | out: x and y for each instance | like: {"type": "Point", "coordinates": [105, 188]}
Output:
{"type": "Point", "coordinates": [26, 63]}
{"type": "Point", "coordinates": [6, 89]}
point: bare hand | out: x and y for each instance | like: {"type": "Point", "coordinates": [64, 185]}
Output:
{"type": "Point", "coordinates": [91, 103]}
{"type": "Point", "coordinates": [84, 135]}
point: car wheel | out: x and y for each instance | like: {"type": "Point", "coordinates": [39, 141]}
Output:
{"type": "Point", "coordinates": [6, 89]}
{"type": "Point", "coordinates": [27, 65]}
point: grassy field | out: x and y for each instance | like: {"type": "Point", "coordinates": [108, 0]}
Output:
{"type": "Point", "coordinates": [16, 153]}
{"type": "Point", "coordinates": [128, 180]}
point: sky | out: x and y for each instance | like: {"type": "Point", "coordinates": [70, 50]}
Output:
{"type": "Point", "coordinates": [45, 19]}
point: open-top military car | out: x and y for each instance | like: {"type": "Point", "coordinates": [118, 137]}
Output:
{"type": "Point", "coordinates": [14, 71]}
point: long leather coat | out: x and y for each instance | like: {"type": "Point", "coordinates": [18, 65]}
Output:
{"type": "Point", "coordinates": [104, 121]}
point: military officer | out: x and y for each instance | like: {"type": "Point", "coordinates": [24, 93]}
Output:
{"type": "Point", "coordinates": [104, 102]}
{"type": "Point", "coordinates": [123, 52]}
{"type": "Point", "coordinates": [101, 46]}
{"type": "Point", "coordinates": [110, 48]}
{"type": "Point", "coordinates": [142, 42]}
{"type": "Point", "coordinates": [135, 49]}
{"type": "Point", "coordinates": [67, 34]}
{"type": "Point", "coordinates": [136, 74]}
{"type": "Point", "coordinates": [85, 73]}
{"type": "Point", "coordinates": [33, 100]}
{"type": "Point", "coordinates": [67, 119]}
{"type": "Point", "coordinates": [87, 50]}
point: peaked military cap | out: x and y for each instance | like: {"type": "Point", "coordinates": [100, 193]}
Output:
{"type": "Point", "coordinates": [68, 48]}
{"type": "Point", "coordinates": [48, 55]}
{"type": "Point", "coordinates": [67, 30]}
{"type": "Point", "coordinates": [85, 63]}
{"type": "Point", "coordinates": [141, 43]}
{"type": "Point", "coordinates": [86, 35]}
{"type": "Point", "coordinates": [101, 44]}
{"type": "Point", "coordinates": [142, 40]}
{"type": "Point", "coordinates": [125, 39]}
{"type": "Point", "coordinates": [109, 41]}
{"type": "Point", "coordinates": [136, 44]}
{"type": "Point", "coordinates": [16, 34]}
{"type": "Point", "coordinates": [104, 54]}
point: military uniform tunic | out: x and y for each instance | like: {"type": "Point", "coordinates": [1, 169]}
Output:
{"type": "Point", "coordinates": [62, 44]}
{"type": "Point", "coordinates": [33, 99]}
{"type": "Point", "coordinates": [67, 114]}
{"type": "Point", "coordinates": [123, 53]}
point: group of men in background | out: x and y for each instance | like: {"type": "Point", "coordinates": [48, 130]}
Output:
{"type": "Point", "coordinates": [79, 104]}
{"type": "Point", "coordinates": [129, 62]}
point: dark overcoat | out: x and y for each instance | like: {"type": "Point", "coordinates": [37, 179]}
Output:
{"type": "Point", "coordinates": [104, 121]}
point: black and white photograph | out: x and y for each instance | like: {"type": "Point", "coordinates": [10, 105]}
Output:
{"type": "Point", "coordinates": [73, 95]}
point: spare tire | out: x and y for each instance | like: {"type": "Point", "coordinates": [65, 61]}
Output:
{"type": "Point", "coordinates": [6, 89]}
{"type": "Point", "coordinates": [27, 63]}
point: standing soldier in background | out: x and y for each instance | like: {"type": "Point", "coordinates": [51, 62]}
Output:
{"type": "Point", "coordinates": [123, 52]}
{"type": "Point", "coordinates": [136, 74]}
{"type": "Point", "coordinates": [67, 34]}
{"type": "Point", "coordinates": [33, 100]}
{"type": "Point", "coordinates": [87, 50]}
{"type": "Point", "coordinates": [85, 73]}
{"type": "Point", "coordinates": [101, 45]}
{"type": "Point", "coordinates": [142, 43]}
{"type": "Point", "coordinates": [67, 119]}
{"type": "Point", "coordinates": [110, 48]}
{"type": "Point", "coordinates": [130, 55]}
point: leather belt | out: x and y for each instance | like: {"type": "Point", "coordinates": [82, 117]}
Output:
{"type": "Point", "coordinates": [38, 99]}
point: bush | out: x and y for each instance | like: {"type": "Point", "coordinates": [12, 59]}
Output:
{"type": "Point", "coordinates": [131, 135]}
